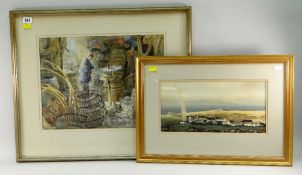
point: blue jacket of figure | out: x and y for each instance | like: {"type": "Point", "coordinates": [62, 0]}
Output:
{"type": "Point", "coordinates": [85, 70]}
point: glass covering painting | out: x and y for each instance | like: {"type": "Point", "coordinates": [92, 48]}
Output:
{"type": "Point", "coordinates": [89, 81]}
{"type": "Point", "coordinates": [213, 106]}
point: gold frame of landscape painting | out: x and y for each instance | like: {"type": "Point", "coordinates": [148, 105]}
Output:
{"type": "Point", "coordinates": [215, 109]}
{"type": "Point", "coordinates": [74, 77]}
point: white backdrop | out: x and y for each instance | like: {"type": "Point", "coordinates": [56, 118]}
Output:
{"type": "Point", "coordinates": [220, 27]}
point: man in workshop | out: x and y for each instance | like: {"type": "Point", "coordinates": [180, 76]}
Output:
{"type": "Point", "coordinates": [85, 72]}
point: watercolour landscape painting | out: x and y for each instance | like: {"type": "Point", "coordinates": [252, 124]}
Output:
{"type": "Point", "coordinates": [89, 81]}
{"type": "Point", "coordinates": [220, 106]}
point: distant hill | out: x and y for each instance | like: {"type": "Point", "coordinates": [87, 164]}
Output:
{"type": "Point", "coordinates": [195, 108]}
{"type": "Point", "coordinates": [236, 115]}
{"type": "Point", "coordinates": [222, 109]}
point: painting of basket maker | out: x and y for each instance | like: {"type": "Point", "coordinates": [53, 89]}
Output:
{"type": "Point", "coordinates": [89, 81]}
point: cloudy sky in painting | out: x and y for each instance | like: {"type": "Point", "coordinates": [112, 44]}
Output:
{"type": "Point", "coordinates": [241, 93]}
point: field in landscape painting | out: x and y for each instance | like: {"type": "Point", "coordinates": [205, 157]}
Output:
{"type": "Point", "coordinates": [173, 122]}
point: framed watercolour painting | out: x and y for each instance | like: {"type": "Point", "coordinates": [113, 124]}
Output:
{"type": "Point", "coordinates": [74, 77]}
{"type": "Point", "coordinates": [215, 109]}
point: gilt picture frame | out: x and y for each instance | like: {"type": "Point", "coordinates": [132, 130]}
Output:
{"type": "Point", "coordinates": [74, 77]}
{"type": "Point", "coordinates": [215, 109]}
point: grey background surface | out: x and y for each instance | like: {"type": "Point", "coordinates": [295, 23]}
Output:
{"type": "Point", "coordinates": [220, 27]}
